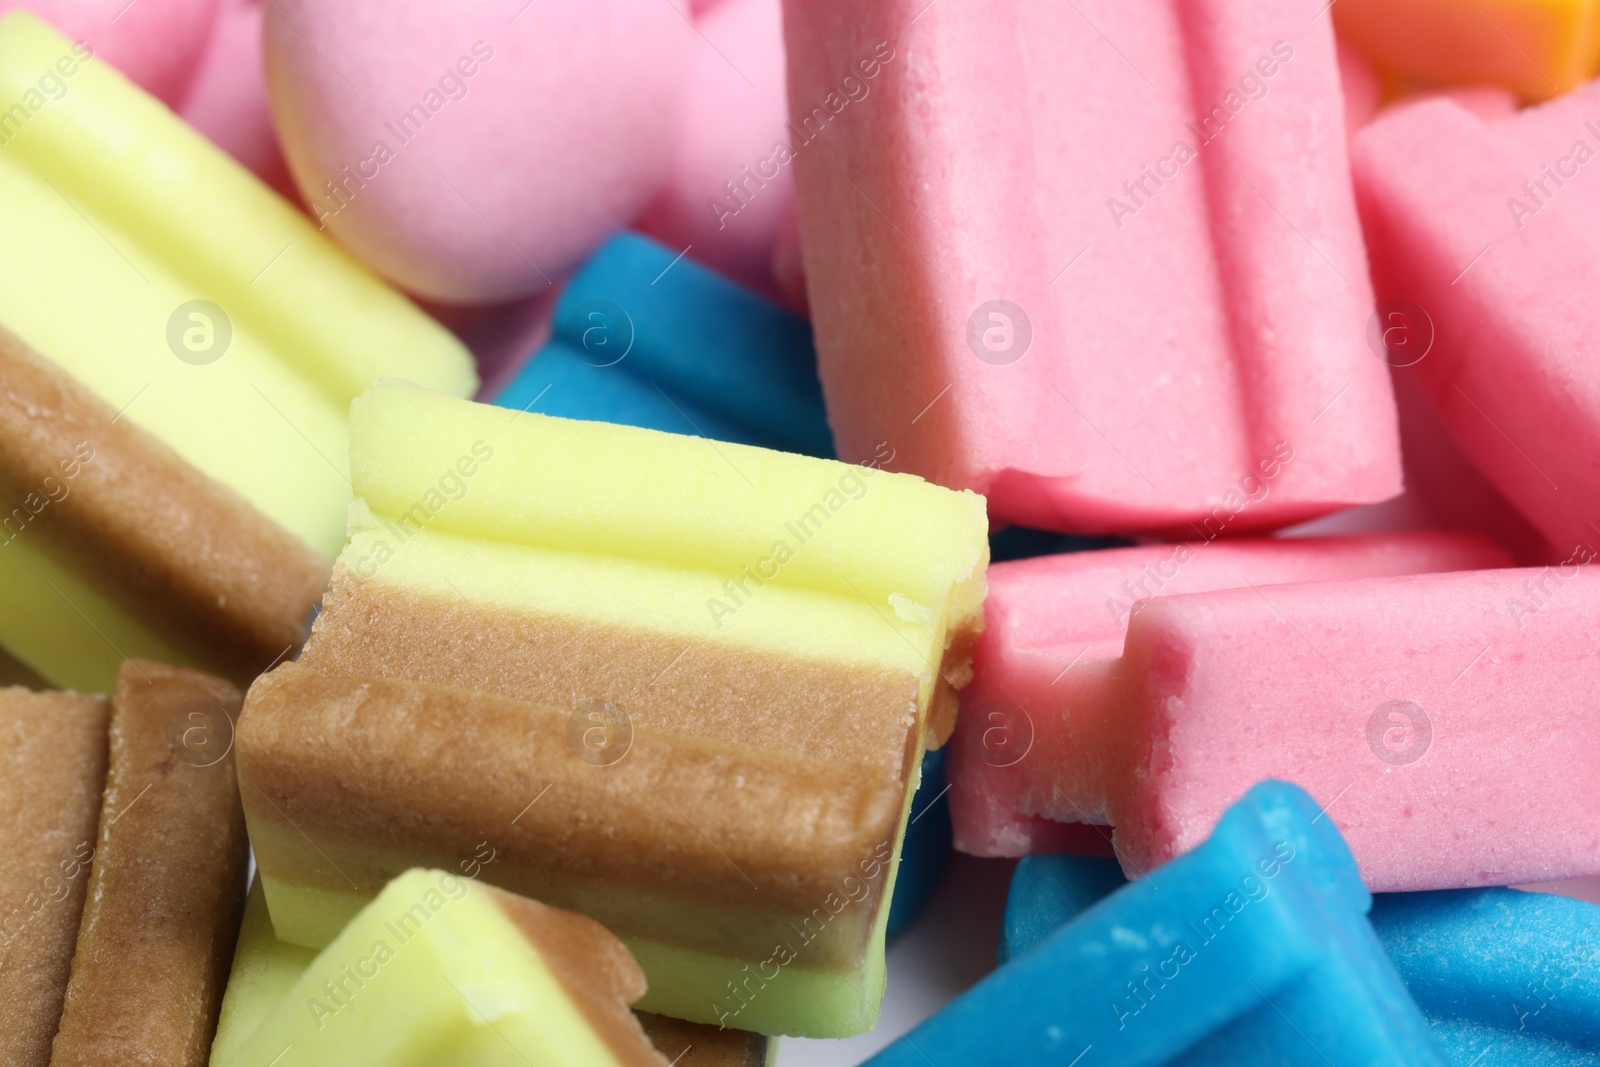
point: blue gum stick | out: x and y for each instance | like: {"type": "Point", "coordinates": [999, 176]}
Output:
{"type": "Point", "coordinates": [1252, 949]}
{"type": "Point", "coordinates": [646, 338]}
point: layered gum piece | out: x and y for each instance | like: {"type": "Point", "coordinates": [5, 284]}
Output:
{"type": "Point", "coordinates": [1040, 723]}
{"type": "Point", "coordinates": [266, 970]}
{"type": "Point", "coordinates": [766, 641]}
{"type": "Point", "coordinates": [1390, 700]}
{"type": "Point", "coordinates": [155, 283]}
{"type": "Point", "coordinates": [1485, 241]}
{"type": "Point", "coordinates": [167, 886]}
{"type": "Point", "coordinates": [1106, 339]}
{"type": "Point", "coordinates": [442, 971]}
{"type": "Point", "coordinates": [52, 771]}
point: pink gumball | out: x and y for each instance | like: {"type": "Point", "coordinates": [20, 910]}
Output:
{"type": "Point", "coordinates": [156, 43]}
{"type": "Point", "coordinates": [227, 100]}
{"type": "Point", "coordinates": [476, 151]}
{"type": "Point", "coordinates": [730, 187]}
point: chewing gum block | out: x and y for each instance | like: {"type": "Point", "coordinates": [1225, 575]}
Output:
{"type": "Point", "coordinates": [1393, 701]}
{"type": "Point", "coordinates": [52, 772]}
{"type": "Point", "coordinates": [1036, 740]}
{"type": "Point", "coordinates": [265, 971]}
{"type": "Point", "coordinates": [1507, 977]}
{"type": "Point", "coordinates": [1048, 892]}
{"type": "Point", "coordinates": [192, 302]}
{"type": "Point", "coordinates": [167, 887]}
{"type": "Point", "coordinates": [644, 337]}
{"type": "Point", "coordinates": [439, 969]}
{"type": "Point", "coordinates": [1254, 948]}
{"type": "Point", "coordinates": [114, 533]}
{"type": "Point", "coordinates": [985, 297]}
{"type": "Point", "coordinates": [1536, 48]}
{"type": "Point", "coordinates": [1485, 254]}
{"type": "Point", "coordinates": [773, 626]}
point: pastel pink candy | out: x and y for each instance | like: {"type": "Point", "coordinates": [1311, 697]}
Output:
{"type": "Point", "coordinates": [1039, 741]}
{"type": "Point", "coordinates": [156, 43]}
{"type": "Point", "coordinates": [1446, 722]}
{"type": "Point", "coordinates": [227, 100]}
{"type": "Point", "coordinates": [727, 194]}
{"type": "Point", "coordinates": [1488, 221]}
{"type": "Point", "coordinates": [476, 151]}
{"type": "Point", "coordinates": [1163, 342]}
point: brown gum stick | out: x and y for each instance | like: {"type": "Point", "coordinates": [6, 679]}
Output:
{"type": "Point", "coordinates": [166, 890]}
{"type": "Point", "coordinates": [52, 772]}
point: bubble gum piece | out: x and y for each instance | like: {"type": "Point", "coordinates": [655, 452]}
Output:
{"type": "Point", "coordinates": [265, 970]}
{"type": "Point", "coordinates": [441, 970]}
{"type": "Point", "coordinates": [157, 44]}
{"type": "Point", "coordinates": [1507, 977]}
{"type": "Point", "coordinates": [644, 337]}
{"type": "Point", "coordinates": [556, 586]}
{"type": "Point", "coordinates": [1040, 726]}
{"type": "Point", "coordinates": [1252, 949]}
{"type": "Point", "coordinates": [1388, 699]}
{"type": "Point", "coordinates": [730, 190]}
{"type": "Point", "coordinates": [52, 771]}
{"type": "Point", "coordinates": [985, 297]}
{"type": "Point", "coordinates": [227, 100]}
{"type": "Point", "coordinates": [1538, 48]}
{"type": "Point", "coordinates": [413, 129]}
{"type": "Point", "coordinates": [1048, 892]}
{"type": "Point", "coordinates": [167, 886]}
{"type": "Point", "coordinates": [1464, 236]}
{"type": "Point", "coordinates": [167, 290]}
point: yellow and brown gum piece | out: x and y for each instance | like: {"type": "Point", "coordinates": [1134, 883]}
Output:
{"type": "Point", "coordinates": [594, 968]}
{"type": "Point", "coordinates": [182, 553]}
{"type": "Point", "coordinates": [167, 886]}
{"type": "Point", "coordinates": [333, 769]}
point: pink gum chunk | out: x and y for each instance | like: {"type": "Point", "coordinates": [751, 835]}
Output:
{"type": "Point", "coordinates": [1037, 740]}
{"type": "Point", "coordinates": [1491, 225]}
{"type": "Point", "coordinates": [1191, 322]}
{"type": "Point", "coordinates": [1445, 721]}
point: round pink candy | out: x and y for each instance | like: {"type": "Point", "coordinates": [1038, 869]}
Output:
{"type": "Point", "coordinates": [476, 151]}
{"type": "Point", "coordinates": [737, 115]}
{"type": "Point", "coordinates": [156, 43]}
{"type": "Point", "coordinates": [227, 100]}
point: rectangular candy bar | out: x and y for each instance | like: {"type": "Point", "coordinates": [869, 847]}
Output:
{"type": "Point", "coordinates": [1391, 700]}
{"type": "Point", "coordinates": [154, 293]}
{"type": "Point", "coordinates": [167, 886]}
{"type": "Point", "coordinates": [52, 772]}
{"type": "Point", "coordinates": [1254, 948]}
{"type": "Point", "coordinates": [723, 663]}
{"type": "Point", "coordinates": [1040, 722]}
{"type": "Point", "coordinates": [647, 338]}
{"type": "Point", "coordinates": [1484, 234]}
{"type": "Point", "coordinates": [1105, 319]}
